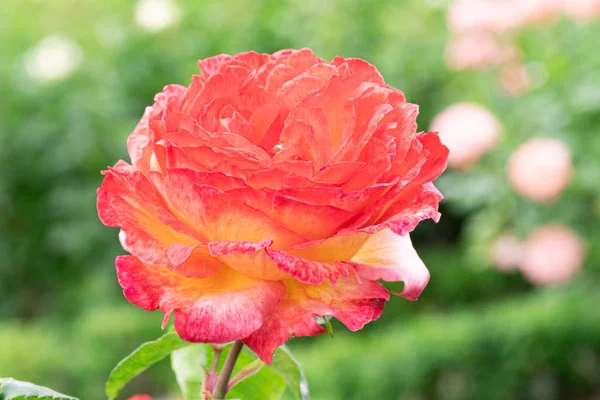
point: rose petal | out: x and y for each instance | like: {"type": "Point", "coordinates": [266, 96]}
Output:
{"type": "Point", "coordinates": [308, 271]}
{"type": "Point", "coordinates": [378, 154]}
{"type": "Point", "coordinates": [192, 261]}
{"type": "Point", "coordinates": [338, 174]}
{"type": "Point", "coordinates": [140, 142]}
{"type": "Point", "coordinates": [437, 157]}
{"type": "Point", "coordinates": [128, 200]}
{"type": "Point", "coordinates": [355, 303]}
{"type": "Point", "coordinates": [358, 71]}
{"type": "Point", "coordinates": [248, 258]}
{"type": "Point", "coordinates": [204, 308]}
{"type": "Point", "coordinates": [216, 214]}
{"type": "Point", "coordinates": [211, 65]}
{"type": "Point", "coordinates": [392, 258]}
{"type": "Point", "coordinates": [413, 205]}
{"type": "Point", "coordinates": [338, 197]}
{"type": "Point", "coordinates": [306, 136]}
{"type": "Point", "coordinates": [315, 262]}
{"type": "Point", "coordinates": [223, 84]}
{"type": "Point", "coordinates": [294, 91]}
{"type": "Point", "coordinates": [311, 262]}
{"type": "Point", "coordinates": [370, 107]}
{"type": "Point", "coordinates": [311, 221]}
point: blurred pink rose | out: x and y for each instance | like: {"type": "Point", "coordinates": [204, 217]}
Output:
{"type": "Point", "coordinates": [469, 131]}
{"type": "Point", "coordinates": [540, 169]}
{"type": "Point", "coordinates": [476, 50]}
{"type": "Point", "coordinates": [500, 16]}
{"type": "Point", "coordinates": [506, 252]}
{"type": "Point", "coordinates": [515, 79]}
{"type": "Point", "coordinates": [582, 10]}
{"type": "Point", "coordinates": [534, 11]}
{"type": "Point", "coordinates": [482, 15]}
{"type": "Point", "coordinates": [552, 255]}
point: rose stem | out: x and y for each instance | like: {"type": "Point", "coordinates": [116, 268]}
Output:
{"type": "Point", "coordinates": [223, 381]}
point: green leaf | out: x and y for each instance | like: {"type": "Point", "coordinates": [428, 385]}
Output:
{"type": "Point", "coordinates": [270, 382]}
{"type": "Point", "coordinates": [289, 369]}
{"type": "Point", "coordinates": [266, 384]}
{"type": "Point", "coordinates": [11, 389]}
{"type": "Point", "coordinates": [246, 372]}
{"type": "Point", "coordinates": [187, 363]}
{"type": "Point", "coordinates": [328, 327]}
{"type": "Point", "coordinates": [140, 360]}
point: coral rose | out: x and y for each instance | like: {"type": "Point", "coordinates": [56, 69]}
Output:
{"type": "Point", "coordinates": [272, 190]}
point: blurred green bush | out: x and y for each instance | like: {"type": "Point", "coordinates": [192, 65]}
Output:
{"type": "Point", "coordinates": [475, 333]}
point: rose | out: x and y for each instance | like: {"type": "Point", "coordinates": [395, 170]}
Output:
{"type": "Point", "coordinates": [272, 190]}
{"type": "Point", "coordinates": [540, 169]}
{"type": "Point", "coordinates": [552, 255]}
{"type": "Point", "coordinates": [469, 130]}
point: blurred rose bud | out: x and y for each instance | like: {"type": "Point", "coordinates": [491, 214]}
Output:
{"type": "Point", "coordinates": [552, 255]}
{"type": "Point", "coordinates": [515, 79]}
{"type": "Point", "coordinates": [140, 397]}
{"type": "Point", "coordinates": [156, 15]}
{"type": "Point", "coordinates": [506, 252]}
{"type": "Point", "coordinates": [540, 169]}
{"type": "Point", "coordinates": [52, 59]}
{"type": "Point", "coordinates": [476, 50]}
{"type": "Point", "coordinates": [469, 131]}
{"type": "Point", "coordinates": [582, 10]}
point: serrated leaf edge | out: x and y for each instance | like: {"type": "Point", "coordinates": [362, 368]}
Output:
{"type": "Point", "coordinates": [61, 396]}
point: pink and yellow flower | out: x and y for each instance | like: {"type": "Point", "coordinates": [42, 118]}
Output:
{"type": "Point", "coordinates": [272, 190]}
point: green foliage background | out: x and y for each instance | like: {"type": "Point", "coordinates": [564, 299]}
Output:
{"type": "Point", "coordinates": [474, 334]}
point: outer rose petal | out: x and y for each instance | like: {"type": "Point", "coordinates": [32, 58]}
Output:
{"type": "Point", "coordinates": [315, 262]}
{"type": "Point", "coordinates": [405, 220]}
{"type": "Point", "coordinates": [227, 306]}
{"type": "Point", "coordinates": [192, 261]}
{"type": "Point", "coordinates": [311, 263]}
{"type": "Point", "coordinates": [148, 230]}
{"type": "Point", "coordinates": [392, 258]}
{"type": "Point", "coordinates": [140, 142]}
{"type": "Point", "coordinates": [249, 258]}
{"type": "Point", "coordinates": [309, 220]}
{"type": "Point", "coordinates": [352, 302]}
{"type": "Point", "coordinates": [126, 199]}
{"type": "Point", "coordinates": [216, 214]}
